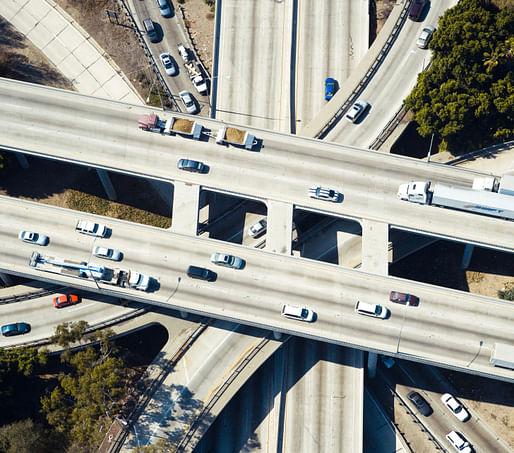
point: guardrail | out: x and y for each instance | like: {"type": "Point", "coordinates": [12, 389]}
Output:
{"type": "Point", "coordinates": [30, 295]}
{"type": "Point", "coordinates": [377, 62]}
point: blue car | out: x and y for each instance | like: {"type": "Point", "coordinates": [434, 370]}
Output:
{"type": "Point", "coordinates": [330, 88]}
{"type": "Point", "coordinates": [18, 328]}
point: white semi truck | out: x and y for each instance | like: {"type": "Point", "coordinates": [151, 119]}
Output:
{"type": "Point", "coordinates": [488, 196]}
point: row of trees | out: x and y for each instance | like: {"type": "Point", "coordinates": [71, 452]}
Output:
{"type": "Point", "coordinates": [466, 97]}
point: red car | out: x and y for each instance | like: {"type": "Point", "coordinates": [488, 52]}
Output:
{"type": "Point", "coordinates": [65, 300]}
{"type": "Point", "coordinates": [402, 298]}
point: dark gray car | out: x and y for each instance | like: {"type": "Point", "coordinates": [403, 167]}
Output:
{"type": "Point", "coordinates": [201, 273]}
{"type": "Point", "coordinates": [420, 403]}
{"type": "Point", "coordinates": [151, 31]}
{"type": "Point", "coordinates": [191, 165]}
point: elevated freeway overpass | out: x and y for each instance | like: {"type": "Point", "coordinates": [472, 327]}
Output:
{"type": "Point", "coordinates": [99, 133]}
{"type": "Point", "coordinates": [449, 328]}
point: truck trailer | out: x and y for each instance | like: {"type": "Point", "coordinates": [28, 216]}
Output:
{"type": "Point", "coordinates": [151, 122]}
{"type": "Point", "coordinates": [481, 201]}
{"type": "Point", "coordinates": [502, 355]}
{"type": "Point", "coordinates": [236, 137]}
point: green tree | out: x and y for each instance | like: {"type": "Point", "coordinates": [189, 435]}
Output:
{"type": "Point", "coordinates": [26, 436]}
{"type": "Point", "coordinates": [465, 97]}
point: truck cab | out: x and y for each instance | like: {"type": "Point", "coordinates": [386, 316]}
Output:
{"type": "Point", "coordinates": [139, 281]}
{"type": "Point", "coordinates": [414, 191]}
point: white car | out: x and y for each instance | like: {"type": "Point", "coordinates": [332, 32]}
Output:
{"type": "Point", "coordinates": [425, 36]}
{"type": "Point", "coordinates": [258, 228]}
{"type": "Point", "coordinates": [455, 407]}
{"type": "Point", "coordinates": [169, 64]}
{"type": "Point", "coordinates": [356, 111]}
{"type": "Point", "coordinates": [189, 102]}
{"type": "Point", "coordinates": [322, 193]}
{"type": "Point", "coordinates": [33, 238]}
{"type": "Point", "coordinates": [298, 313]}
{"type": "Point", "coordinates": [222, 259]}
{"type": "Point", "coordinates": [458, 442]}
{"type": "Point", "coordinates": [108, 254]}
{"type": "Point", "coordinates": [200, 84]}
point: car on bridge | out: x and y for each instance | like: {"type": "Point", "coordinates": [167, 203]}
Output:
{"type": "Point", "coordinates": [357, 110]}
{"type": "Point", "coordinates": [17, 328]}
{"type": "Point", "coordinates": [377, 311]}
{"type": "Point", "coordinates": [322, 193]}
{"type": "Point", "coordinates": [258, 228]}
{"type": "Point", "coordinates": [33, 238]}
{"type": "Point", "coordinates": [107, 253]}
{"type": "Point", "coordinates": [298, 313]}
{"type": "Point", "coordinates": [455, 407]}
{"type": "Point", "coordinates": [191, 165]}
{"type": "Point", "coordinates": [201, 273]}
{"type": "Point", "coordinates": [65, 300]}
{"type": "Point", "coordinates": [169, 64]}
{"type": "Point", "coordinates": [222, 259]}
{"type": "Point", "coordinates": [421, 404]}
{"type": "Point", "coordinates": [403, 298]}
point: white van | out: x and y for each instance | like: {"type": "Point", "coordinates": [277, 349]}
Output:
{"type": "Point", "coordinates": [458, 442]}
{"type": "Point", "coordinates": [374, 310]}
{"type": "Point", "coordinates": [298, 313]}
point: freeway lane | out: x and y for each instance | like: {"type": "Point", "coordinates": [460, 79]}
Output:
{"type": "Point", "coordinates": [449, 327]}
{"type": "Point", "coordinates": [94, 132]}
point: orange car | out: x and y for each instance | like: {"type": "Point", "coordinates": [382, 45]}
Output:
{"type": "Point", "coordinates": [65, 300]}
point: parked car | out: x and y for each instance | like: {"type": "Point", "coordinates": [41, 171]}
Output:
{"type": "Point", "coordinates": [298, 313]}
{"type": "Point", "coordinates": [222, 259]}
{"type": "Point", "coordinates": [421, 405]}
{"type": "Point", "coordinates": [458, 442]}
{"type": "Point", "coordinates": [322, 193]}
{"type": "Point", "coordinates": [150, 30]}
{"type": "Point", "coordinates": [455, 407]}
{"type": "Point", "coordinates": [377, 311]}
{"type": "Point", "coordinates": [33, 238]}
{"type": "Point", "coordinates": [330, 88]}
{"type": "Point", "coordinates": [403, 298]}
{"type": "Point", "coordinates": [201, 273]}
{"type": "Point", "coordinates": [191, 165]}
{"type": "Point", "coordinates": [258, 228]}
{"type": "Point", "coordinates": [356, 111]}
{"type": "Point", "coordinates": [65, 300]}
{"type": "Point", "coordinates": [164, 8]}
{"type": "Point", "coordinates": [416, 9]}
{"type": "Point", "coordinates": [425, 36]}
{"type": "Point", "coordinates": [17, 328]}
{"type": "Point", "coordinates": [189, 102]}
{"type": "Point", "coordinates": [107, 253]}
{"type": "Point", "coordinates": [170, 66]}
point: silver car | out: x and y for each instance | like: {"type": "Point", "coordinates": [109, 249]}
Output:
{"type": "Point", "coordinates": [258, 228]}
{"type": "Point", "coordinates": [222, 259]}
{"type": "Point", "coordinates": [169, 64]}
{"type": "Point", "coordinates": [322, 193]}
{"type": "Point", "coordinates": [164, 8]}
{"type": "Point", "coordinates": [189, 102]}
{"type": "Point", "coordinates": [425, 36]}
{"type": "Point", "coordinates": [106, 253]}
{"type": "Point", "coordinates": [33, 238]}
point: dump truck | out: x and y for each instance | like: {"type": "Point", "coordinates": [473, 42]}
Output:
{"type": "Point", "coordinates": [151, 122]}
{"type": "Point", "coordinates": [485, 202]}
{"type": "Point", "coordinates": [91, 228]}
{"type": "Point", "coordinates": [236, 137]}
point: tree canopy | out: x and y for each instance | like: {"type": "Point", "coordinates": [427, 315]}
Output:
{"type": "Point", "coordinates": [466, 97]}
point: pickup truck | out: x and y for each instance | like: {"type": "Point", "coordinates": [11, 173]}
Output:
{"type": "Point", "coordinates": [91, 228]}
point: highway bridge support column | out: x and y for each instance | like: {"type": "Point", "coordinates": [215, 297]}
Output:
{"type": "Point", "coordinates": [280, 227]}
{"type": "Point", "coordinates": [186, 199]}
{"type": "Point", "coordinates": [6, 279]}
{"type": "Point", "coordinates": [22, 160]}
{"type": "Point", "coordinates": [375, 247]}
{"type": "Point", "coordinates": [106, 182]}
{"type": "Point", "coordinates": [466, 257]}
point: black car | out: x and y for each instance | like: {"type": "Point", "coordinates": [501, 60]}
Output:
{"type": "Point", "coordinates": [201, 273]}
{"type": "Point", "coordinates": [151, 31]}
{"type": "Point", "coordinates": [420, 403]}
{"type": "Point", "coordinates": [416, 9]}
